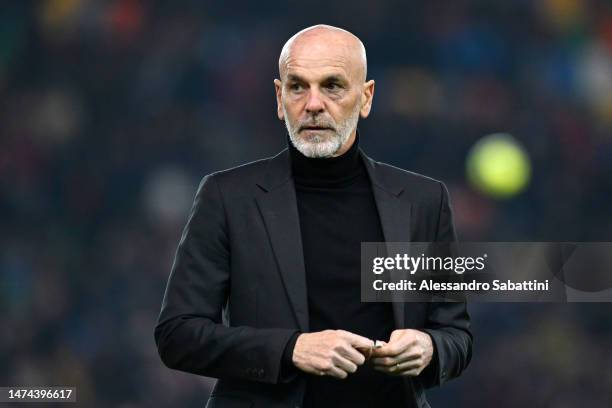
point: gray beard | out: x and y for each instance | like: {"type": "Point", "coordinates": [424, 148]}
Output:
{"type": "Point", "coordinates": [322, 146]}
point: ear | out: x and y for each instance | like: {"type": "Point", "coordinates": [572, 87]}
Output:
{"type": "Point", "coordinates": [366, 98]}
{"type": "Point", "coordinates": [278, 87]}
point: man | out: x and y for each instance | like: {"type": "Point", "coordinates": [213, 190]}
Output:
{"type": "Point", "coordinates": [264, 293]}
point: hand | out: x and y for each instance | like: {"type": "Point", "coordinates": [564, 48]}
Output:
{"type": "Point", "coordinates": [330, 352]}
{"type": "Point", "coordinates": [407, 353]}
{"type": "Point", "coordinates": [369, 351]}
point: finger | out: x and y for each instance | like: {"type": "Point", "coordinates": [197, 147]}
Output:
{"type": "Point", "coordinates": [356, 340]}
{"type": "Point", "coordinates": [355, 356]}
{"type": "Point", "coordinates": [390, 349]}
{"type": "Point", "coordinates": [384, 361]}
{"type": "Point", "coordinates": [408, 355]}
{"type": "Point", "coordinates": [367, 353]}
{"type": "Point", "coordinates": [326, 369]}
{"type": "Point", "coordinates": [409, 368]}
{"type": "Point", "coordinates": [336, 373]}
{"type": "Point", "coordinates": [410, 373]}
{"type": "Point", "coordinates": [395, 347]}
{"type": "Point", "coordinates": [403, 368]}
{"type": "Point", "coordinates": [391, 370]}
{"type": "Point", "coordinates": [317, 372]}
{"type": "Point", "coordinates": [344, 364]}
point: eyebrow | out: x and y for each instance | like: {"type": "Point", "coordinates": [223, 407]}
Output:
{"type": "Point", "coordinates": [330, 78]}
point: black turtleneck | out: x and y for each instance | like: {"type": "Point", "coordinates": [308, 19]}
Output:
{"type": "Point", "coordinates": [337, 212]}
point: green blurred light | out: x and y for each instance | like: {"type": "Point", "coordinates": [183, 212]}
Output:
{"type": "Point", "coordinates": [498, 166]}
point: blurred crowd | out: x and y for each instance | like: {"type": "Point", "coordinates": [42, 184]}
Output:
{"type": "Point", "coordinates": [112, 111]}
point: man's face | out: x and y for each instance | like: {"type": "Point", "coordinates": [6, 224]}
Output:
{"type": "Point", "coordinates": [321, 95]}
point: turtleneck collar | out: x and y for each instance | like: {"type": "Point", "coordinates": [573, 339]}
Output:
{"type": "Point", "coordinates": [328, 172]}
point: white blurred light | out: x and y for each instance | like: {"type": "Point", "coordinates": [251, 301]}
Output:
{"type": "Point", "coordinates": [594, 75]}
{"type": "Point", "coordinates": [168, 194]}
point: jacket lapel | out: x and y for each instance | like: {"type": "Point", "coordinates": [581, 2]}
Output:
{"type": "Point", "coordinates": [394, 215]}
{"type": "Point", "coordinates": [278, 207]}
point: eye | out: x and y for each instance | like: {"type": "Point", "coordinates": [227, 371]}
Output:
{"type": "Point", "coordinates": [333, 86]}
{"type": "Point", "coordinates": [295, 86]}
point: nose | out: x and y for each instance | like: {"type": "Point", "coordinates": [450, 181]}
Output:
{"type": "Point", "coordinates": [314, 104]}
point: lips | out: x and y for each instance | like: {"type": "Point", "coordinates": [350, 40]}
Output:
{"type": "Point", "coordinates": [315, 128]}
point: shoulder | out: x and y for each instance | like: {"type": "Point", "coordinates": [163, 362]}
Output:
{"type": "Point", "coordinates": [241, 172]}
{"type": "Point", "coordinates": [415, 186]}
{"type": "Point", "coordinates": [241, 180]}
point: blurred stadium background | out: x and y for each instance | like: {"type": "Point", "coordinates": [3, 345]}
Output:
{"type": "Point", "coordinates": [112, 111]}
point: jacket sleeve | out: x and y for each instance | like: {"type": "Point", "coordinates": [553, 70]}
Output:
{"type": "Point", "coordinates": [190, 334]}
{"type": "Point", "coordinates": [448, 323]}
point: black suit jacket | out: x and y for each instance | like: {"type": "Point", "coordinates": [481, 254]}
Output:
{"type": "Point", "coordinates": [237, 289]}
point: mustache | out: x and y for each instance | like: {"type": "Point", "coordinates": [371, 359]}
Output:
{"type": "Point", "coordinates": [316, 124]}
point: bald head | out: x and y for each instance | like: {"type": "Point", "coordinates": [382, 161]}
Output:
{"type": "Point", "coordinates": [326, 44]}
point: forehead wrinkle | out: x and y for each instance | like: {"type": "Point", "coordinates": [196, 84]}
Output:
{"type": "Point", "coordinates": [336, 64]}
{"type": "Point", "coordinates": [314, 63]}
{"type": "Point", "coordinates": [327, 70]}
